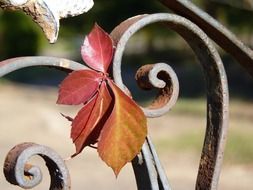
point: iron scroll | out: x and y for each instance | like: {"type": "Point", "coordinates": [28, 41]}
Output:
{"type": "Point", "coordinates": [216, 87]}
{"type": "Point", "coordinates": [147, 168]}
{"type": "Point", "coordinates": [146, 165]}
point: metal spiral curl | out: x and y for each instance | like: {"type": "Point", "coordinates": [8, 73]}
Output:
{"type": "Point", "coordinates": [146, 165]}
{"type": "Point", "coordinates": [217, 99]}
{"type": "Point", "coordinates": [18, 172]}
{"type": "Point", "coordinates": [159, 75]}
{"type": "Point", "coordinates": [162, 77]}
{"type": "Point", "coordinates": [16, 169]}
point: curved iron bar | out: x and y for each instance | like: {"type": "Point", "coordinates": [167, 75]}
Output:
{"type": "Point", "coordinates": [162, 77]}
{"type": "Point", "coordinates": [217, 97]}
{"type": "Point", "coordinates": [15, 166]}
{"type": "Point", "coordinates": [10, 65]}
{"type": "Point", "coordinates": [217, 93]}
{"type": "Point", "coordinates": [18, 172]}
{"type": "Point", "coordinates": [220, 34]}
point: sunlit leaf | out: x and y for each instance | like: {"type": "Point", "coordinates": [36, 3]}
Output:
{"type": "Point", "coordinates": [123, 133]}
{"type": "Point", "coordinates": [109, 118]}
{"type": "Point", "coordinates": [97, 49]}
{"type": "Point", "coordinates": [79, 87]}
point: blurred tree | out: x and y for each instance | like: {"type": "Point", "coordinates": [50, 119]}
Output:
{"type": "Point", "coordinates": [19, 36]}
{"type": "Point", "coordinates": [109, 13]}
{"type": "Point", "coordinates": [243, 4]}
{"type": "Point", "coordinates": [233, 14]}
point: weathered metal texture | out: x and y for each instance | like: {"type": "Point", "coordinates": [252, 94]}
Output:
{"type": "Point", "coordinates": [47, 13]}
{"type": "Point", "coordinates": [18, 172]}
{"type": "Point", "coordinates": [11, 65]}
{"type": "Point", "coordinates": [146, 165]}
{"type": "Point", "coordinates": [162, 77]}
{"type": "Point", "coordinates": [222, 36]}
{"type": "Point", "coordinates": [155, 176]}
{"type": "Point", "coordinates": [217, 96]}
{"type": "Point", "coordinates": [16, 169]}
{"type": "Point", "coordinates": [149, 173]}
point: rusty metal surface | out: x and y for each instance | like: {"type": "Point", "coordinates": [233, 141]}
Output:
{"type": "Point", "coordinates": [11, 65]}
{"type": "Point", "coordinates": [147, 167]}
{"type": "Point", "coordinates": [216, 87]}
{"type": "Point", "coordinates": [162, 77]}
{"type": "Point", "coordinates": [220, 34]}
{"type": "Point", "coordinates": [18, 172]}
{"type": "Point", "coordinates": [47, 13]}
{"type": "Point", "coordinates": [148, 170]}
{"type": "Point", "coordinates": [16, 169]}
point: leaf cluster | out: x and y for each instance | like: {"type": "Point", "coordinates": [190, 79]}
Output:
{"type": "Point", "coordinates": [109, 118]}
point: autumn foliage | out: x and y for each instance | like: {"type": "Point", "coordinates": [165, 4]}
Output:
{"type": "Point", "coordinates": [109, 118]}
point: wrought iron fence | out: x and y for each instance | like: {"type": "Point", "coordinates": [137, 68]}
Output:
{"type": "Point", "coordinates": [196, 27]}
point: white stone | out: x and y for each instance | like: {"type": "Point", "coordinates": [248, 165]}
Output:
{"type": "Point", "coordinates": [50, 11]}
{"type": "Point", "coordinates": [14, 2]}
{"type": "Point", "coordinates": [66, 8]}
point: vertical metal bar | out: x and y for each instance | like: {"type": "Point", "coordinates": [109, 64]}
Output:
{"type": "Point", "coordinates": [148, 171]}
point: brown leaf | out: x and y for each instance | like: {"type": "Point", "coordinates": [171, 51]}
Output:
{"type": "Point", "coordinates": [124, 132]}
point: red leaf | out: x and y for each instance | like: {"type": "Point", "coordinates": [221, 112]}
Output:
{"type": "Point", "coordinates": [81, 118]}
{"type": "Point", "coordinates": [116, 123]}
{"type": "Point", "coordinates": [79, 87]}
{"type": "Point", "coordinates": [87, 125]}
{"type": "Point", "coordinates": [123, 133]}
{"type": "Point", "coordinates": [97, 49]}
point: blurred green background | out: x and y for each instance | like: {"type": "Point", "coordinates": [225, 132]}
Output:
{"type": "Point", "coordinates": [19, 36]}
